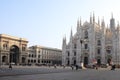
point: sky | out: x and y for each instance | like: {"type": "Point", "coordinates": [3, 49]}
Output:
{"type": "Point", "coordinates": [46, 22]}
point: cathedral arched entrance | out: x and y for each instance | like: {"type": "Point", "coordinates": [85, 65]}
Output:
{"type": "Point", "coordinates": [74, 62]}
{"type": "Point", "coordinates": [98, 61]}
{"type": "Point", "coordinates": [14, 54]}
{"type": "Point", "coordinates": [68, 62]}
{"type": "Point", "coordinates": [85, 61]}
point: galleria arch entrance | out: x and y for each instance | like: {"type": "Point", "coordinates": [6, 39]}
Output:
{"type": "Point", "coordinates": [13, 49]}
{"type": "Point", "coordinates": [14, 54]}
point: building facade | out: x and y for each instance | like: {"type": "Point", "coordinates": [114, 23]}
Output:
{"type": "Point", "coordinates": [93, 42]}
{"type": "Point", "coordinates": [38, 55]}
{"type": "Point", "coordinates": [12, 50]}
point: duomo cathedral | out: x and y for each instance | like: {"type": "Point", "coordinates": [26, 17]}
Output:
{"type": "Point", "coordinates": [93, 42]}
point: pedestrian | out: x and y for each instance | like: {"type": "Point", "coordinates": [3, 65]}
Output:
{"type": "Point", "coordinates": [63, 66]}
{"type": "Point", "coordinates": [76, 67]}
{"type": "Point", "coordinates": [113, 67]}
{"type": "Point", "coordinates": [10, 66]}
{"type": "Point", "coordinates": [55, 66]}
{"type": "Point", "coordinates": [72, 67]}
{"type": "Point", "coordinates": [96, 67]}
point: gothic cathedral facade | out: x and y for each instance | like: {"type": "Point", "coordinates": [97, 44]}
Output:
{"type": "Point", "coordinates": [92, 43]}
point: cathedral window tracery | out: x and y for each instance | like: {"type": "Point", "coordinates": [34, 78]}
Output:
{"type": "Point", "coordinates": [86, 34]}
{"type": "Point", "coordinates": [68, 54]}
{"type": "Point", "coordinates": [108, 51]}
{"type": "Point", "coordinates": [98, 42]}
{"type": "Point", "coordinates": [75, 46]}
{"type": "Point", "coordinates": [86, 46]}
{"type": "Point", "coordinates": [74, 53]}
{"type": "Point", "coordinates": [98, 51]}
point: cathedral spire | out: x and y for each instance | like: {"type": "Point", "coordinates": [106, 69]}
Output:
{"type": "Point", "coordinates": [90, 18]}
{"type": "Point", "coordinates": [103, 23]}
{"type": "Point", "coordinates": [118, 24]}
{"type": "Point", "coordinates": [98, 21]}
{"type": "Point", "coordinates": [93, 17]}
{"type": "Point", "coordinates": [78, 25]}
{"type": "Point", "coordinates": [64, 42]}
{"type": "Point", "coordinates": [80, 22]}
{"type": "Point", "coordinates": [112, 23]}
{"type": "Point", "coordinates": [71, 33]}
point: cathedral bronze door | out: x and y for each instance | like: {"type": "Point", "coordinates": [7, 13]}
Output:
{"type": "Point", "coordinates": [99, 61]}
{"type": "Point", "coordinates": [14, 54]}
{"type": "Point", "coordinates": [85, 61]}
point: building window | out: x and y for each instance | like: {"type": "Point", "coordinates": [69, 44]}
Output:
{"type": "Point", "coordinates": [34, 61]}
{"type": "Point", "coordinates": [28, 61]}
{"type": "Point", "coordinates": [74, 53]}
{"type": "Point", "coordinates": [98, 51]}
{"type": "Point", "coordinates": [86, 35]}
{"type": "Point", "coordinates": [68, 53]}
{"type": "Point", "coordinates": [38, 51]}
{"type": "Point", "coordinates": [38, 56]}
{"type": "Point", "coordinates": [29, 55]}
{"type": "Point", "coordinates": [98, 42]}
{"type": "Point", "coordinates": [108, 51]}
{"type": "Point", "coordinates": [86, 46]}
{"type": "Point", "coordinates": [38, 61]}
{"type": "Point", "coordinates": [23, 48]}
{"type": "Point", "coordinates": [75, 46]}
{"type": "Point", "coordinates": [31, 61]}
{"type": "Point", "coordinates": [32, 55]}
{"type": "Point", "coordinates": [5, 46]}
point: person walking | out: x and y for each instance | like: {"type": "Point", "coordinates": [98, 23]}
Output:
{"type": "Point", "coordinates": [72, 67]}
{"type": "Point", "coordinates": [76, 67]}
{"type": "Point", "coordinates": [10, 66]}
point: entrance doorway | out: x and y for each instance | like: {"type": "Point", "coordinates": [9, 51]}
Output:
{"type": "Point", "coordinates": [14, 54]}
{"type": "Point", "coordinates": [98, 61]}
{"type": "Point", "coordinates": [68, 62]}
{"type": "Point", "coordinates": [74, 62]}
{"type": "Point", "coordinates": [85, 61]}
{"type": "Point", "coordinates": [23, 60]}
{"type": "Point", "coordinates": [4, 59]}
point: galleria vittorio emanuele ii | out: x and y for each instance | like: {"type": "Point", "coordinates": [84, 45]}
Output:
{"type": "Point", "coordinates": [93, 42]}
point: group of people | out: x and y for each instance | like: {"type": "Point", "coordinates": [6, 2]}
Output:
{"type": "Point", "coordinates": [112, 66]}
{"type": "Point", "coordinates": [76, 67]}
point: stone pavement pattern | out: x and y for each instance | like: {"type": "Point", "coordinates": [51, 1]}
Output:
{"type": "Point", "coordinates": [67, 74]}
